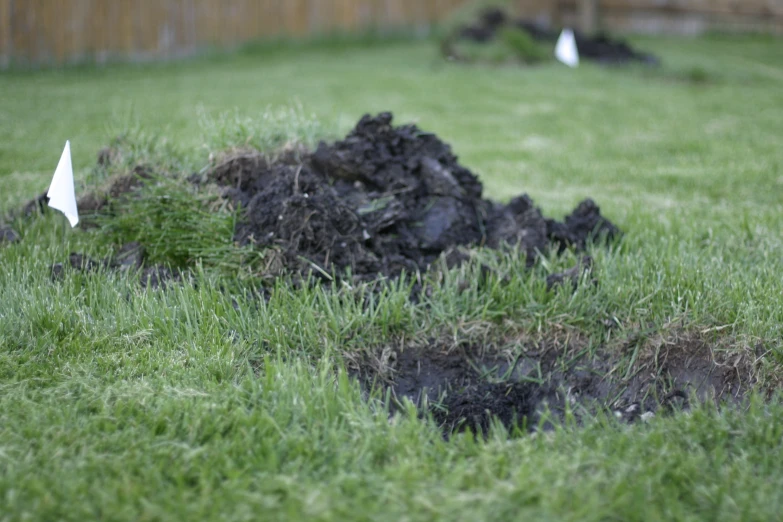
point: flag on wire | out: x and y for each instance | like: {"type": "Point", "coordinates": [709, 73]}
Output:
{"type": "Point", "coordinates": [61, 193]}
{"type": "Point", "coordinates": [566, 50]}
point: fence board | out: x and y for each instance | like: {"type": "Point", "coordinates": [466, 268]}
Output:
{"type": "Point", "coordinates": [5, 32]}
{"type": "Point", "coordinates": [60, 31]}
{"type": "Point", "coordinates": [676, 16]}
{"type": "Point", "coordinates": [709, 7]}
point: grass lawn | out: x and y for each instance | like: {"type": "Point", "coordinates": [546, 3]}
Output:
{"type": "Point", "coordinates": [192, 403]}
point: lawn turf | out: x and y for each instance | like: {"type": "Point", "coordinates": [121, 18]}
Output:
{"type": "Point", "coordinates": [123, 404]}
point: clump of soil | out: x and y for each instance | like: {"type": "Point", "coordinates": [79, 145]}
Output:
{"type": "Point", "coordinates": [114, 188]}
{"type": "Point", "coordinates": [600, 48]}
{"type": "Point", "coordinates": [8, 235]}
{"type": "Point", "coordinates": [95, 201]}
{"type": "Point", "coordinates": [467, 386]}
{"type": "Point", "coordinates": [129, 258]}
{"type": "Point", "coordinates": [384, 200]}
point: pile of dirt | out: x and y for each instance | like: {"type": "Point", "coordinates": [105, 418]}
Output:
{"type": "Point", "coordinates": [600, 48]}
{"type": "Point", "coordinates": [385, 199]}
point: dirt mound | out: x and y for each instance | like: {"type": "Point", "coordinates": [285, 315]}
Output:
{"type": "Point", "coordinates": [600, 48]}
{"type": "Point", "coordinates": [383, 200]}
{"type": "Point", "coordinates": [468, 386]}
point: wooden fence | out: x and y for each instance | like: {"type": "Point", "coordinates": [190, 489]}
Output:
{"type": "Point", "coordinates": [61, 31]}
{"type": "Point", "coordinates": [660, 16]}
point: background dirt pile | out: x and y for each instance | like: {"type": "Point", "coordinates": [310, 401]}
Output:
{"type": "Point", "coordinates": [598, 48]}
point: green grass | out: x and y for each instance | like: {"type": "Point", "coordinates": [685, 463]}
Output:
{"type": "Point", "coordinates": [200, 402]}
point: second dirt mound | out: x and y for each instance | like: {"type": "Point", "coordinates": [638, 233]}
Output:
{"type": "Point", "coordinates": [600, 48]}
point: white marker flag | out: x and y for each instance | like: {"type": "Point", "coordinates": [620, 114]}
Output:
{"type": "Point", "coordinates": [566, 50]}
{"type": "Point", "coordinates": [61, 193]}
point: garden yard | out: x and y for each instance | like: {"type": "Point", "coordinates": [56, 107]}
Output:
{"type": "Point", "coordinates": [501, 366]}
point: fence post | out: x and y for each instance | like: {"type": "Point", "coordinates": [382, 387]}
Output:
{"type": "Point", "coordinates": [6, 40]}
{"type": "Point", "coordinates": [588, 16]}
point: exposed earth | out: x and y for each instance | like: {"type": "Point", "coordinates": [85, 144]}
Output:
{"type": "Point", "coordinates": [532, 385]}
{"type": "Point", "coordinates": [391, 199]}
{"type": "Point", "coordinates": [386, 199]}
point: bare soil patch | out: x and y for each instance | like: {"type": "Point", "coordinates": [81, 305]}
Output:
{"type": "Point", "coordinates": [468, 385]}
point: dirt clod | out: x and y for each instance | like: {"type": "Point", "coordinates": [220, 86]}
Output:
{"type": "Point", "coordinates": [129, 257]}
{"type": "Point", "coordinates": [115, 188]}
{"type": "Point", "coordinates": [77, 262]}
{"type": "Point", "coordinates": [8, 235]}
{"type": "Point", "coordinates": [572, 275]}
{"type": "Point", "coordinates": [583, 225]}
{"type": "Point", "coordinates": [155, 277]}
{"type": "Point", "coordinates": [35, 206]}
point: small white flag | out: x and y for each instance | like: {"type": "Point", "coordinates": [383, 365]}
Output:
{"type": "Point", "coordinates": [61, 193]}
{"type": "Point", "coordinates": [565, 50]}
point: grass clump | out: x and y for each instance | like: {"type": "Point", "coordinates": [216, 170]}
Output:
{"type": "Point", "coordinates": [269, 132]}
{"type": "Point", "coordinates": [468, 13]}
{"type": "Point", "coordinates": [481, 32]}
{"type": "Point", "coordinates": [494, 52]}
{"type": "Point", "coordinates": [179, 224]}
{"type": "Point", "coordinates": [509, 45]}
{"type": "Point", "coordinates": [523, 46]}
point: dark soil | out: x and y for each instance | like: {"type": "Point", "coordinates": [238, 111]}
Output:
{"type": "Point", "coordinates": [130, 257]}
{"type": "Point", "coordinates": [603, 49]}
{"type": "Point", "coordinates": [468, 386]}
{"type": "Point", "coordinates": [384, 200]}
{"type": "Point", "coordinates": [115, 189]}
{"type": "Point", "coordinates": [8, 235]}
{"type": "Point", "coordinates": [33, 207]}
{"type": "Point", "coordinates": [94, 201]}
{"type": "Point", "coordinates": [600, 48]}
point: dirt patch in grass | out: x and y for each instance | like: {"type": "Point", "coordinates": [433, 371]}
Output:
{"type": "Point", "coordinates": [534, 385]}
